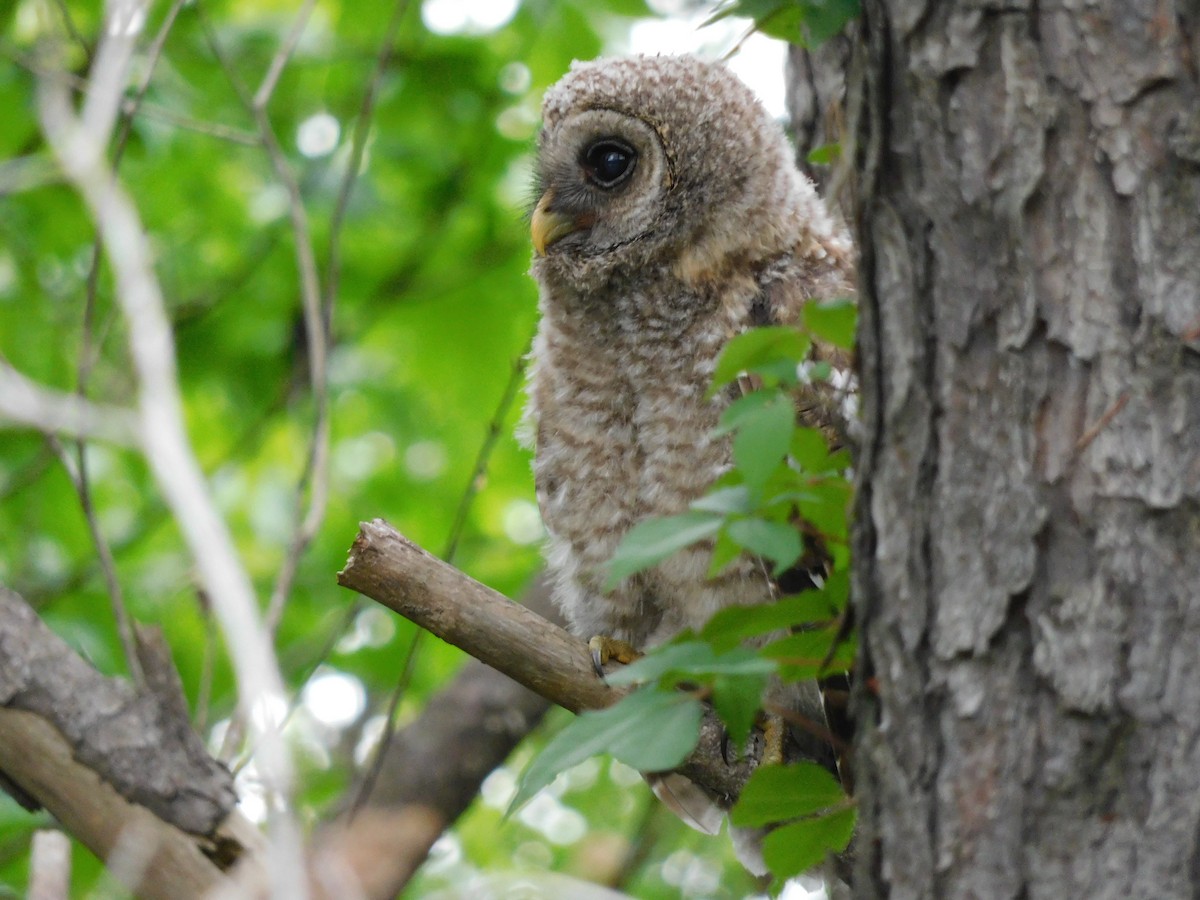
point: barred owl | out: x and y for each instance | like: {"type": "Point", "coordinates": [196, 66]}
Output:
{"type": "Point", "coordinates": [671, 217]}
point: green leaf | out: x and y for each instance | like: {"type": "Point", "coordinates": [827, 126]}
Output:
{"type": "Point", "coordinates": [777, 541]}
{"type": "Point", "coordinates": [743, 408]}
{"type": "Point", "coordinates": [656, 663]}
{"type": "Point", "coordinates": [758, 347]}
{"type": "Point", "coordinates": [692, 660]}
{"type": "Point", "coordinates": [824, 19]}
{"type": "Point", "coordinates": [737, 700]}
{"type": "Point", "coordinates": [825, 505]}
{"type": "Point", "coordinates": [650, 730]}
{"type": "Point", "coordinates": [730, 626]}
{"type": "Point", "coordinates": [825, 155]}
{"type": "Point", "coordinates": [834, 322]}
{"type": "Point", "coordinates": [795, 848]}
{"type": "Point", "coordinates": [797, 21]}
{"type": "Point", "coordinates": [810, 449]}
{"type": "Point", "coordinates": [781, 793]}
{"type": "Point", "coordinates": [725, 501]}
{"type": "Point", "coordinates": [762, 439]}
{"type": "Point", "coordinates": [725, 551]}
{"type": "Point", "coordinates": [806, 654]}
{"type": "Point", "coordinates": [653, 540]}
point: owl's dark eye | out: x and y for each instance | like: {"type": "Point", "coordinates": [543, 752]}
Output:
{"type": "Point", "coordinates": [608, 162]}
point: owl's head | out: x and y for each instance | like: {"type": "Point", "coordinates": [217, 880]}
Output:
{"type": "Point", "coordinates": [661, 161]}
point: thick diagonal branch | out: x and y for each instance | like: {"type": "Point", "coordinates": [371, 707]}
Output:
{"type": "Point", "coordinates": [387, 567]}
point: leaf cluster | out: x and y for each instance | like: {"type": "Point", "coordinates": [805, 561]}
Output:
{"type": "Point", "coordinates": [785, 485]}
{"type": "Point", "coordinates": [807, 22]}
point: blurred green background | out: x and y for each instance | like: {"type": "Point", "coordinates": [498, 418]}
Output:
{"type": "Point", "coordinates": [433, 311]}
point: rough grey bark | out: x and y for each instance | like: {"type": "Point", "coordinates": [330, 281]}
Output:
{"type": "Point", "coordinates": [1028, 542]}
{"type": "Point", "coordinates": [140, 743]}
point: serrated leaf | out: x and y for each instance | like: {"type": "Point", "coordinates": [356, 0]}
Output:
{"type": "Point", "coordinates": [650, 730]}
{"type": "Point", "coordinates": [795, 848]}
{"type": "Point", "coordinates": [781, 793]}
{"type": "Point", "coordinates": [757, 347]}
{"type": "Point", "coordinates": [833, 322]}
{"type": "Point", "coordinates": [777, 541]}
{"type": "Point", "coordinates": [762, 439]}
{"type": "Point", "coordinates": [653, 540]}
{"type": "Point", "coordinates": [661, 660]}
{"type": "Point", "coordinates": [730, 626]}
{"type": "Point", "coordinates": [806, 654]}
{"type": "Point", "coordinates": [694, 661]}
{"type": "Point", "coordinates": [737, 699]}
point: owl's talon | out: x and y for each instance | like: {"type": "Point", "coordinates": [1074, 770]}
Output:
{"type": "Point", "coordinates": [725, 742]}
{"type": "Point", "coordinates": [606, 649]}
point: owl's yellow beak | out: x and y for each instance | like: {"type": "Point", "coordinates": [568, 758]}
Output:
{"type": "Point", "coordinates": [548, 225]}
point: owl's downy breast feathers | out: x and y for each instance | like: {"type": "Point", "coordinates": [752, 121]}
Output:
{"type": "Point", "coordinates": [671, 217]}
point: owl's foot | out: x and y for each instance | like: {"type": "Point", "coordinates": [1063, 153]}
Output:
{"type": "Point", "coordinates": [606, 649]}
{"type": "Point", "coordinates": [774, 730]}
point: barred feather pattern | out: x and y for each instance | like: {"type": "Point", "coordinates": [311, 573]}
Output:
{"type": "Point", "coordinates": [706, 230]}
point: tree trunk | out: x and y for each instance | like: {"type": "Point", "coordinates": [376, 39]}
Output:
{"type": "Point", "coordinates": [1028, 542]}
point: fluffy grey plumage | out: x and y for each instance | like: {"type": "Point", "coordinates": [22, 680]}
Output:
{"type": "Point", "coordinates": [671, 218]}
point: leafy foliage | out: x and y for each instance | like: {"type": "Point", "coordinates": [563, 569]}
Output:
{"type": "Point", "coordinates": [810, 22]}
{"type": "Point", "coordinates": [781, 472]}
{"type": "Point", "coordinates": [648, 730]}
{"type": "Point", "coordinates": [433, 308]}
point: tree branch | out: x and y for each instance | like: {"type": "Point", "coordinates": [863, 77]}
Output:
{"type": "Point", "coordinates": [387, 567]}
{"type": "Point", "coordinates": [121, 770]}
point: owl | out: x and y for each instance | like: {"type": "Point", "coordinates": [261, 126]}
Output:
{"type": "Point", "coordinates": [671, 217]}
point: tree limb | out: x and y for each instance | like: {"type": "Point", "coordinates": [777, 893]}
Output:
{"type": "Point", "coordinates": [431, 770]}
{"type": "Point", "coordinates": [387, 567]}
{"type": "Point", "coordinates": [121, 770]}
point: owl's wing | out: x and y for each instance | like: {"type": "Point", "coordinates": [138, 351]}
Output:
{"type": "Point", "coordinates": [693, 805]}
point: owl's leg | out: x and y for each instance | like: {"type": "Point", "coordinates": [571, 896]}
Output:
{"type": "Point", "coordinates": [774, 729]}
{"type": "Point", "coordinates": [606, 649]}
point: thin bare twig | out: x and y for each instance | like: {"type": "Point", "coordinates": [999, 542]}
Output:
{"type": "Point", "coordinates": [485, 451]}
{"type": "Point", "coordinates": [79, 143]}
{"type": "Point", "coordinates": [87, 358]}
{"type": "Point", "coordinates": [76, 472]}
{"type": "Point", "coordinates": [69, 25]}
{"type": "Point", "coordinates": [452, 540]}
{"type": "Point", "coordinates": [314, 479]}
{"type": "Point", "coordinates": [263, 95]}
{"type": "Point", "coordinates": [27, 403]}
{"type": "Point", "coordinates": [49, 866]}
{"type": "Point", "coordinates": [367, 785]}
{"type": "Point", "coordinates": [358, 144]}
{"type": "Point", "coordinates": [128, 106]}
